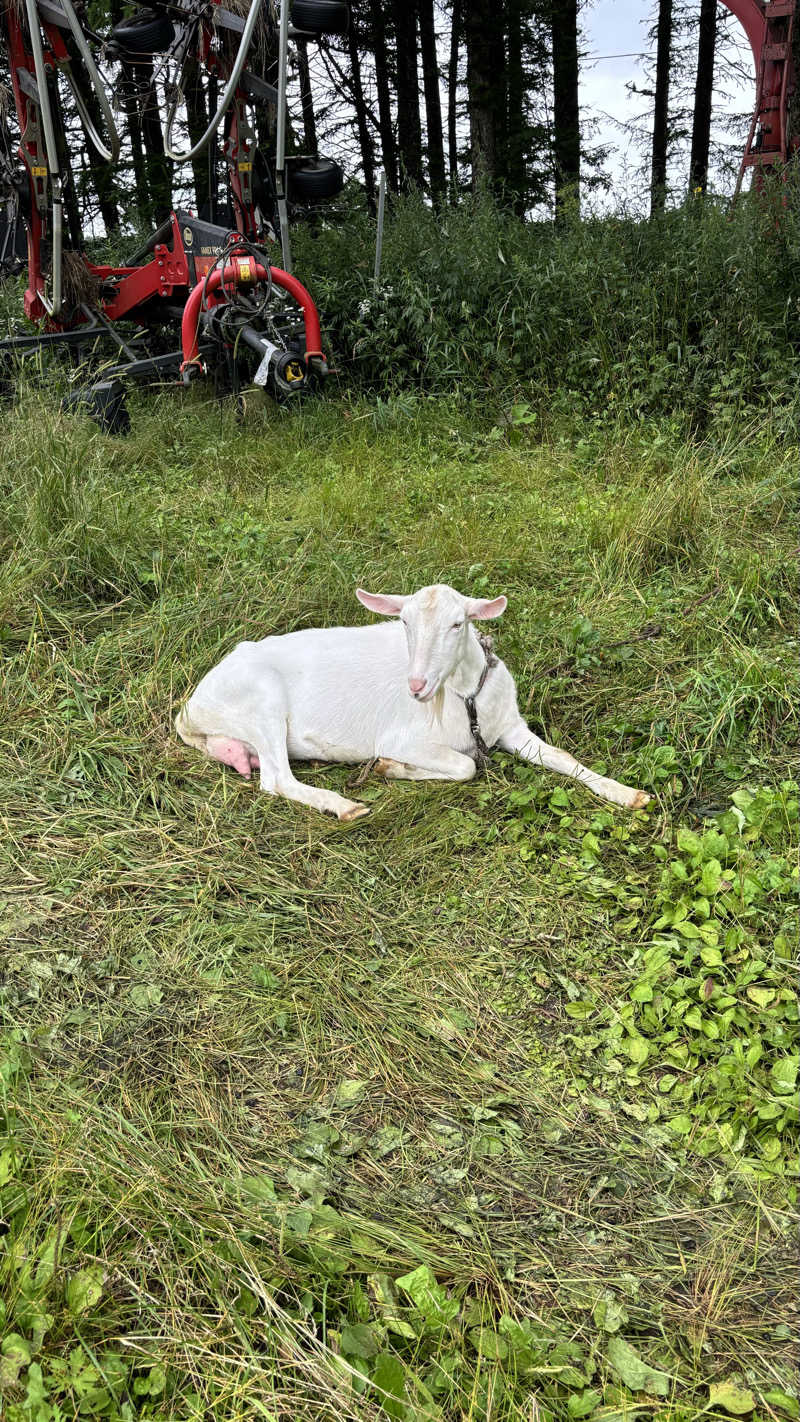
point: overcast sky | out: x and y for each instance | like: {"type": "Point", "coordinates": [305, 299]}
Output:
{"type": "Point", "coordinates": [620, 27]}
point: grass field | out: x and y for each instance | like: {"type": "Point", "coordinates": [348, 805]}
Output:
{"type": "Point", "coordinates": [480, 1107]}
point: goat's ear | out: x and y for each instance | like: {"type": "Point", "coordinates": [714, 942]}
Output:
{"type": "Point", "coordinates": [480, 609]}
{"type": "Point", "coordinates": [386, 603]}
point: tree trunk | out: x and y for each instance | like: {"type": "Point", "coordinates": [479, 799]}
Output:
{"type": "Point", "coordinates": [704, 84]}
{"type": "Point", "coordinates": [516, 128]}
{"type": "Point", "coordinates": [159, 168]}
{"type": "Point", "coordinates": [452, 97]}
{"type": "Point", "coordinates": [793, 113]}
{"type": "Point", "coordinates": [307, 98]}
{"type": "Point", "coordinates": [486, 90]}
{"type": "Point", "coordinates": [197, 117]}
{"type": "Point", "coordinates": [212, 154]}
{"type": "Point", "coordinates": [566, 112]}
{"type": "Point", "coordinates": [130, 100]}
{"type": "Point", "coordinates": [383, 87]}
{"type": "Point", "coordinates": [102, 173]}
{"type": "Point", "coordinates": [364, 136]}
{"type": "Point", "coordinates": [72, 214]}
{"type": "Point", "coordinates": [409, 128]}
{"type": "Point", "coordinates": [130, 103]}
{"type": "Point", "coordinates": [658, 169]}
{"type": "Point", "coordinates": [433, 102]}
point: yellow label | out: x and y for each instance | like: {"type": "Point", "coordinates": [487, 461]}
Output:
{"type": "Point", "coordinates": [245, 167]}
{"type": "Point", "coordinates": [246, 272]}
{"type": "Point", "coordinates": [38, 172]}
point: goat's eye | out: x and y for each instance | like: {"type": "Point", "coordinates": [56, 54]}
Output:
{"type": "Point", "coordinates": [456, 626]}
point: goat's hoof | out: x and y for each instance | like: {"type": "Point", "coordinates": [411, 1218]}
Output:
{"type": "Point", "coordinates": [640, 799]}
{"type": "Point", "coordinates": [355, 812]}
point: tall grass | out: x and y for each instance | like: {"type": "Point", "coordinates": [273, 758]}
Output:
{"type": "Point", "coordinates": [481, 1110]}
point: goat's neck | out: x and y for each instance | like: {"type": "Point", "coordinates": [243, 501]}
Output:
{"type": "Point", "coordinates": [469, 669]}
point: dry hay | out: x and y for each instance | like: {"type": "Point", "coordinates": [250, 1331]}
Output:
{"type": "Point", "coordinates": [80, 287]}
{"type": "Point", "coordinates": [263, 49]}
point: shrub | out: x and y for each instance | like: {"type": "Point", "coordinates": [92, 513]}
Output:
{"type": "Point", "coordinates": [697, 312]}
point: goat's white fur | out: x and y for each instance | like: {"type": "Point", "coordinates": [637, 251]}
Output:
{"type": "Point", "coordinates": [342, 694]}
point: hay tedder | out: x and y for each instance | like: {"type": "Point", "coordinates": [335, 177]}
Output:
{"type": "Point", "coordinates": [198, 297]}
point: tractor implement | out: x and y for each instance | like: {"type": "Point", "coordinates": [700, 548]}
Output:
{"type": "Point", "coordinates": [196, 298]}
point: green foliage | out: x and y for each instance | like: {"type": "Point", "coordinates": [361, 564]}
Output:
{"type": "Point", "coordinates": [695, 314]}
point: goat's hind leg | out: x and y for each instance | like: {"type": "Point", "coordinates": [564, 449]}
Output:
{"type": "Point", "coordinates": [252, 735]}
{"type": "Point", "coordinates": [522, 742]}
{"type": "Point", "coordinates": [268, 737]}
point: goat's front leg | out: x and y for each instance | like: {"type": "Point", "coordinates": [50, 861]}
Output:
{"type": "Point", "coordinates": [436, 763]}
{"type": "Point", "coordinates": [522, 742]}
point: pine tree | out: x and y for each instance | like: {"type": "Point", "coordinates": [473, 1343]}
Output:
{"type": "Point", "coordinates": [566, 112]}
{"type": "Point", "coordinates": [703, 90]}
{"type": "Point", "coordinates": [658, 164]}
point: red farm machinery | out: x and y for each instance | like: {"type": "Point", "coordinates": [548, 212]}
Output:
{"type": "Point", "coordinates": [771, 29]}
{"type": "Point", "coordinates": [202, 296]}
{"type": "Point", "coordinates": [199, 296]}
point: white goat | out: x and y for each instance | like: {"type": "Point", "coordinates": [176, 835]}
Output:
{"type": "Point", "coordinates": [422, 700]}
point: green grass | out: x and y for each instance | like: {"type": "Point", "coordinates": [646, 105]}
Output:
{"type": "Point", "coordinates": [481, 1107]}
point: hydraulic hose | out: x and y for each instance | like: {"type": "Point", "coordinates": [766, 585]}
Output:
{"type": "Point", "coordinates": [110, 155]}
{"type": "Point", "coordinates": [245, 270]}
{"type": "Point", "coordinates": [227, 94]}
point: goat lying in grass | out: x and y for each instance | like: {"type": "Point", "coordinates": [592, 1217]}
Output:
{"type": "Point", "coordinates": [423, 700]}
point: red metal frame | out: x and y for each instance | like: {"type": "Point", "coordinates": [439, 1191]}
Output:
{"type": "Point", "coordinates": [243, 270]}
{"type": "Point", "coordinates": [32, 152]}
{"type": "Point", "coordinates": [769, 26]}
{"type": "Point", "coordinates": [750, 15]}
{"type": "Point", "coordinates": [167, 275]}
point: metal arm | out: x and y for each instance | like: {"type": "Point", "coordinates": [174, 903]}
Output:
{"type": "Point", "coordinates": [52, 306]}
{"type": "Point", "coordinates": [280, 137]}
{"type": "Point", "coordinates": [227, 94]}
{"type": "Point", "coordinates": [750, 14]}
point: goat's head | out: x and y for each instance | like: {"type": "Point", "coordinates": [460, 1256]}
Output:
{"type": "Point", "coordinates": [436, 621]}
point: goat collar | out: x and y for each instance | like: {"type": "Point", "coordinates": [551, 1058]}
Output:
{"type": "Point", "coordinates": [482, 751]}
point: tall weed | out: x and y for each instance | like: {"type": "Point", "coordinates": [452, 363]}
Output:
{"type": "Point", "coordinates": [696, 313]}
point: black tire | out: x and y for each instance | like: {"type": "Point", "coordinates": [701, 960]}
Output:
{"type": "Point", "coordinates": [104, 403]}
{"type": "Point", "coordinates": [314, 180]}
{"type": "Point", "coordinates": [145, 33]}
{"type": "Point", "coordinates": [321, 17]}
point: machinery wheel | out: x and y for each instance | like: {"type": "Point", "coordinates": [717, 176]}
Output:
{"type": "Point", "coordinates": [146, 33]}
{"type": "Point", "coordinates": [314, 180]}
{"type": "Point", "coordinates": [321, 17]}
{"type": "Point", "coordinates": [104, 403]}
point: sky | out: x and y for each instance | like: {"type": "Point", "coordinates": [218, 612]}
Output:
{"type": "Point", "coordinates": [620, 27]}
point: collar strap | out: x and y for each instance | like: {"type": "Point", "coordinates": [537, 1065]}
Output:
{"type": "Point", "coordinates": [483, 751]}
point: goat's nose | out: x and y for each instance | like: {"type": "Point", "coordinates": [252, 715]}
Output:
{"type": "Point", "coordinates": [416, 684]}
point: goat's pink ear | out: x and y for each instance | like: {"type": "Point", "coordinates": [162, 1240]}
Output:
{"type": "Point", "coordinates": [481, 609]}
{"type": "Point", "coordinates": [386, 603]}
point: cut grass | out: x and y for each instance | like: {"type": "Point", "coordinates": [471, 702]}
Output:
{"type": "Point", "coordinates": [259, 1067]}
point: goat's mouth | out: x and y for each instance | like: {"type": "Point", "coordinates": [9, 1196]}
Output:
{"type": "Point", "coordinates": [426, 695]}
